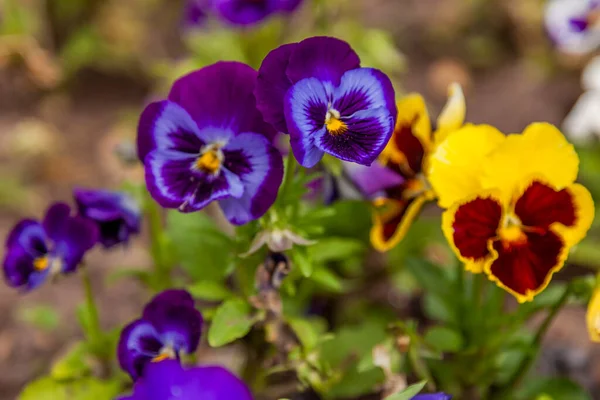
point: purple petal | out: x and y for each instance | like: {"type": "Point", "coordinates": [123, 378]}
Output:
{"type": "Point", "coordinates": [288, 5]}
{"type": "Point", "coordinates": [28, 234]}
{"type": "Point", "coordinates": [366, 137]}
{"type": "Point", "coordinates": [163, 379]}
{"type": "Point", "coordinates": [222, 96]}
{"type": "Point", "coordinates": [77, 237]}
{"type": "Point", "coordinates": [245, 12]}
{"type": "Point", "coordinates": [55, 219]}
{"type": "Point", "coordinates": [321, 57]}
{"type": "Point", "coordinates": [305, 110]}
{"type": "Point", "coordinates": [195, 13]}
{"type": "Point", "coordinates": [19, 270]}
{"type": "Point", "coordinates": [175, 297]}
{"type": "Point", "coordinates": [272, 85]}
{"type": "Point", "coordinates": [432, 396]}
{"type": "Point", "coordinates": [116, 214]}
{"type": "Point", "coordinates": [259, 167]}
{"type": "Point", "coordinates": [166, 125]}
{"type": "Point", "coordinates": [579, 24]}
{"type": "Point", "coordinates": [173, 182]}
{"type": "Point", "coordinates": [177, 325]}
{"type": "Point", "coordinates": [365, 88]}
{"type": "Point", "coordinates": [372, 179]}
{"type": "Point", "coordinates": [138, 344]}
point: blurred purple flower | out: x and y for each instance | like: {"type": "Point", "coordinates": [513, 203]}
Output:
{"type": "Point", "coordinates": [169, 327]}
{"type": "Point", "coordinates": [574, 25]}
{"type": "Point", "coordinates": [432, 396]}
{"type": "Point", "coordinates": [116, 214]}
{"type": "Point", "coordinates": [168, 380]}
{"type": "Point", "coordinates": [237, 12]}
{"type": "Point", "coordinates": [208, 142]}
{"type": "Point", "coordinates": [316, 91]}
{"type": "Point", "coordinates": [36, 251]}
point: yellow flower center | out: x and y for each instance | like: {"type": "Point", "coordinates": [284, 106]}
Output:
{"type": "Point", "coordinates": [334, 124]}
{"type": "Point", "coordinates": [41, 263]}
{"type": "Point", "coordinates": [166, 353]}
{"type": "Point", "coordinates": [511, 231]}
{"type": "Point", "coordinates": [210, 160]}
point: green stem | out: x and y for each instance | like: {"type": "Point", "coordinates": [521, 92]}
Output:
{"type": "Point", "coordinates": [162, 271]}
{"type": "Point", "coordinates": [94, 332]}
{"type": "Point", "coordinates": [419, 366]}
{"type": "Point", "coordinates": [290, 170]}
{"type": "Point", "coordinates": [530, 357]}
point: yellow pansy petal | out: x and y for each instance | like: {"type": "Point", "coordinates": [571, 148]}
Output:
{"type": "Point", "coordinates": [593, 316]}
{"type": "Point", "coordinates": [452, 116]}
{"type": "Point", "coordinates": [541, 150]}
{"type": "Point", "coordinates": [584, 212]}
{"type": "Point", "coordinates": [455, 165]}
{"type": "Point", "coordinates": [392, 219]}
{"type": "Point", "coordinates": [413, 111]}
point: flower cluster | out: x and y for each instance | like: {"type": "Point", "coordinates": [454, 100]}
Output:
{"type": "Point", "coordinates": [237, 12]}
{"type": "Point", "coordinates": [37, 251]}
{"type": "Point", "coordinates": [513, 210]}
{"type": "Point", "coordinates": [150, 350]}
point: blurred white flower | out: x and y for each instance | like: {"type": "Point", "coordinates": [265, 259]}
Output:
{"type": "Point", "coordinates": [277, 240]}
{"type": "Point", "coordinates": [574, 25]}
{"type": "Point", "coordinates": [583, 122]}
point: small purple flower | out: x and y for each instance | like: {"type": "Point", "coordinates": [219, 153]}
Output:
{"type": "Point", "coordinates": [573, 25]}
{"type": "Point", "coordinates": [208, 142]}
{"type": "Point", "coordinates": [432, 396]}
{"type": "Point", "coordinates": [169, 327]}
{"type": "Point", "coordinates": [372, 181]}
{"type": "Point", "coordinates": [36, 251]}
{"type": "Point", "coordinates": [316, 91]}
{"type": "Point", "coordinates": [116, 214]}
{"type": "Point", "coordinates": [169, 380]}
{"type": "Point", "coordinates": [238, 12]}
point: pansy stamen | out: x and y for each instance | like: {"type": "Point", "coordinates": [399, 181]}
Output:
{"type": "Point", "coordinates": [334, 123]}
{"type": "Point", "coordinates": [210, 160]}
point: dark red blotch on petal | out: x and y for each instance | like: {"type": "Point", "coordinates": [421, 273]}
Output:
{"type": "Point", "coordinates": [540, 206]}
{"type": "Point", "coordinates": [525, 267]}
{"type": "Point", "coordinates": [412, 148]}
{"type": "Point", "coordinates": [475, 223]}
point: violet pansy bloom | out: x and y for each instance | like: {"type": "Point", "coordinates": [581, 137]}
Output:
{"type": "Point", "coordinates": [208, 142]}
{"type": "Point", "coordinates": [574, 25]}
{"type": "Point", "coordinates": [432, 396]}
{"type": "Point", "coordinates": [35, 250]}
{"type": "Point", "coordinates": [116, 214]}
{"type": "Point", "coordinates": [168, 379]}
{"type": "Point", "coordinates": [238, 12]}
{"type": "Point", "coordinates": [170, 326]}
{"type": "Point", "coordinates": [316, 91]}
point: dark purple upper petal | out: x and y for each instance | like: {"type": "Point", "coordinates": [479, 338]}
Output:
{"type": "Point", "coordinates": [77, 237]}
{"type": "Point", "coordinates": [195, 12]}
{"type": "Point", "coordinates": [432, 396]}
{"type": "Point", "coordinates": [116, 214]}
{"type": "Point", "coordinates": [259, 167]}
{"type": "Point", "coordinates": [321, 57]}
{"type": "Point", "coordinates": [174, 297]}
{"type": "Point", "coordinates": [167, 126]}
{"type": "Point", "coordinates": [178, 326]}
{"type": "Point", "coordinates": [372, 179]}
{"type": "Point", "coordinates": [245, 12]}
{"type": "Point", "coordinates": [163, 379]}
{"type": "Point", "coordinates": [221, 95]}
{"type": "Point", "coordinates": [54, 221]}
{"type": "Point", "coordinates": [272, 85]}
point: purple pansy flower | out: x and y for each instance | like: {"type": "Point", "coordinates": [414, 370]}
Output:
{"type": "Point", "coordinates": [432, 396]}
{"type": "Point", "coordinates": [168, 380]}
{"type": "Point", "coordinates": [208, 142]}
{"type": "Point", "coordinates": [238, 12]}
{"type": "Point", "coordinates": [316, 91]}
{"type": "Point", "coordinates": [169, 327]}
{"type": "Point", "coordinates": [116, 214]}
{"type": "Point", "coordinates": [37, 250]}
{"type": "Point", "coordinates": [574, 25]}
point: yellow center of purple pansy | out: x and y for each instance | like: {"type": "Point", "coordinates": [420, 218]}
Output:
{"type": "Point", "coordinates": [210, 160]}
{"type": "Point", "coordinates": [334, 124]}
{"type": "Point", "coordinates": [41, 263]}
{"type": "Point", "coordinates": [166, 353]}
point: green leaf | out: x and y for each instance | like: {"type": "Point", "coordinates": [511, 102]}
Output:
{"type": "Point", "coordinates": [444, 339]}
{"type": "Point", "coordinates": [231, 321]}
{"type": "Point", "coordinates": [409, 392]}
{"type": "Point", "coordinates": [352, 219]}
{"type": "Point", "coordinates": [309, 332]}
{"type": "Point", "coordinates": [335, 249]}
{"type": "Point", "coordinates": [42, 317]}
{"type": "Point", "coordinates": [140, 275]}
{"type": "Point", "coordinates": [81, 389]}
{"type": "Point", "coordinates": [204, 251]}
{"type": "Point", "coordinates": [328, 280]}
{"type": "Point", "coordinates": [73, 365]}
{"type": "Point", "coordinates": [302, 259]}
{"type": "Point", "coordinates": [430, 277]}
{"type": "Point", "coordinates": [209, 290]}
{"type": "Point", "coordinates": [556, 388]}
